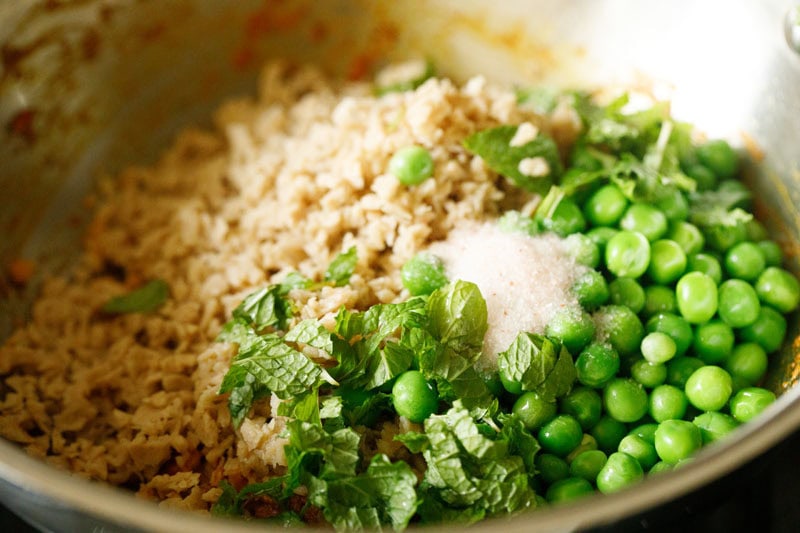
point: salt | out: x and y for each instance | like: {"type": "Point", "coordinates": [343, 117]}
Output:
{"type": "Point", "coordinates": [523, 279]}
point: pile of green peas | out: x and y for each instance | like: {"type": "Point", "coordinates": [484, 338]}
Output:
{"type": "Point", "coordinates": [674, 336]}
{"type": "Point", "coordinates": [672, 340]}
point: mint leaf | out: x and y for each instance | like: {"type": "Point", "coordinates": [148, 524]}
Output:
{"type": "Point", "coordinates": [264, 308]}
{"type": "Point", "coordinates": [342, 267]}
{"type": "Point", "coordinates": [719, 208]}
{"type": "Point", "coordinates": [559, 381]}
{"type": "Point", "coordinates": [303, 407]}
{"type": "Point", "coordinates": [539, 364]}
{"type": "Point", "coordinates": [145, 299]}
{"type": "Point", "coordinates": [385, 358]}
{"type": "Point", "coordinates": [468, 469]}
{"type": "Point", "coordinates": [386, 364]}
{"type": "Point", "coordinates": [267, 365]}
{"type": "Point", "coordinates": [230, 503]}
{"type": "Point", "coordinates": [338, 450]}
{"type": "Point", "coordinates": [458, 318]}
{"type": "Point", "coordinates": [227, 503]}
{"type": "Point", "coordinates": [494, 147]}
{"type": "Point", "coordinates": [529, 360]}
{"type": "Point", "coordinates": [414, 441]}
{"type": "Point", "coordinates": [385, 493]}
{"type": "Point", "coordinates": [433, 510]}
{"type": "Point", "coordinates": [520, 441]}
{"type": "Point", "coordinates": [294, 280]}
{"type": "Point", "coordinates": [312, 333]}
{"type": "Point", "coordinates": [237, 331]}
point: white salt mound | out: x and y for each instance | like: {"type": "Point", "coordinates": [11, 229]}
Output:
{"type": "Point", "coordinates": [523, 279]}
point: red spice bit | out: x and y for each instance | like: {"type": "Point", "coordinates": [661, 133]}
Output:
{"type": "Point", "coordinates": [189, 461]}
{"type": "Point", "coordinates": [318, 32]}
{"type": "Point", "coordinates": [242, 58]}
{"type": "Point", "coordinates": [237, 481]}
{"type": "Point", "coordinates": [21, 271]}
{"type": "Point", "coordinates": [22, 124]}
{"type": "Point", "coordinates": [90, 44]}
{"type": "Point", "coordinates": [260, 23]}
{"type": "Point", "coordinates": [262, 507]}
{"type": "Point", "coordinates": [360, 66]}
{"type": "Point", "coordinates": [217, 474]}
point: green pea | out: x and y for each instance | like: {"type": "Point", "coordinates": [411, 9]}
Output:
{"type": "Point", "coordinates": [648, 374]}
{"type": "Point", "coordinates": [568, 489]}
{"type": "Point", "coordinates": [709, 388]}
{"type": "Point", "coordinates": [713, 426]}
{"type": "Point", "coordinates": [696, 294]}
{"type": "Point", "coordinates": [707, 264]}
{"type": "Point", "coordinates": [620, 471]}
{"type": "Point", "coordinates": [560, 435]}
{"type": "Point", "coordinates": [644, 219]}
{"type": "Point", "coordinates": [658, 347]}
{"type": "Point", "coordinates": [639, 449]}
{"type": "Point", "coordinates": [677, 440]}
{"type": "Point", "coordinates": [667, 402]}
{"type": "Point", "coordinates": [768, 330]}
{"type": "Point", "coordinates": [628, 254]}
{"type": "Point", "coordinates": [706, 180]}
{"type": "Point", "coordinates": [660, 466]}
{"type": "Point", "coordinates": [720, 238]}
{"type": "Point", "coordinates": [423, 274]}
{"type": "Point", "coordinates": [647, 431]}
{"type": "Point", "coordinates": [411, 165]}
{"type": "Point", "coordinates": [590, 289]}
{"type": "Point", "coordinates": [718, 156]}
{"type": "Point", "coordinates": [582, 249]}
{"type": "Point", "coordinates": [750, 402]}
{"type": "Point", "coordinates": [605, 206]}
{"type": "Point", "coordinates": [574, 329]}
{"type": "Point", "coordinates": [600, 235]}
{"type": "Point", "coordinates": [608, 433]}
{"type": "Point", "coordinates": [551, 468]}
{"type": "Point", "coordinates": [680, 369]}
{"type": "Point", "coordinates": [625, 400]}
{"type": "Point", "coordinates": [688, 236]}
{"type": "Point", "coordinates": [584, 404]}
{"type": "Point", "coordinates": [621, 327]}
{"type": "Point", "coordinates": [713, 341]}
{"type": "Point", "coordinates": [745, 261]}
{"type": "Point", "coordinates": [676, 327]}
{"type": "Point", "coordinates": [627, 292]}
{"type": "Point", "coordinates": [596, 365]}
{"type": "Point", "coordinates": [667, 261]}
{"type": "Point", "coordinates": [773, 255]}
{"type": "Point", "coordinates": [587, 464]}
{"type": "Point", "coordinates": [674, 205]}
{"type": "Point", "coordinates": [587, 443]}
{"type": "Point", "coordinates": [756, 231]}
{"type": "Point", "coordinates": [738, 303]}
{"type": "Point", "coordinates": [748, 361]}
{"type": "Point", "coordinates": [659, 299]}
{"type": "Point", "coordinates": [778, 288]}
{"type": "Point", "coordinates": [533, 410]}
{"type": "Point", "coordinates": [414, 397]}
{"type": "Point", "coordinates": [566, 219]}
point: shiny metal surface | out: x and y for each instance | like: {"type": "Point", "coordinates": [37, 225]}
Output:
{"type": "Point", "coordinates": [791, 26]}
{"type": "Point", "coordinates": [89, 87]}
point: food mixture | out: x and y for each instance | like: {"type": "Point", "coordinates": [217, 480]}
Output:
{"type": "Point", "coordinates": [401, 302]}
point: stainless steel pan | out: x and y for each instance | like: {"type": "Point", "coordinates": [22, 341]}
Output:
{"type": "Point", "coordinates": [90, 86]}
